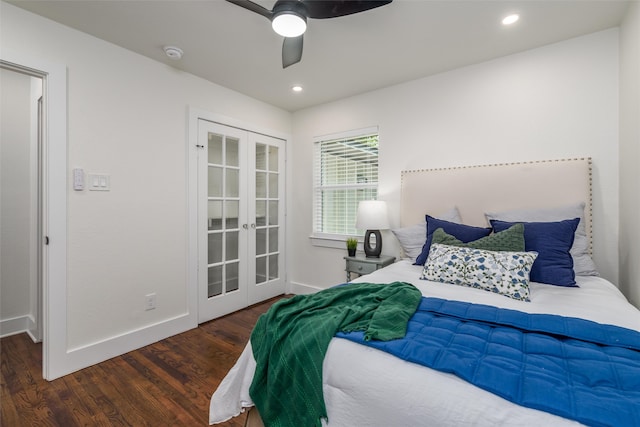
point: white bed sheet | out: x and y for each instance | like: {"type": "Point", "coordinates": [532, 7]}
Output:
{"type": "Point", "coordinates": [368, 387]}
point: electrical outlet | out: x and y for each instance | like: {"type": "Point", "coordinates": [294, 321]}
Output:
{"type": "Point", "coordinates": [150, 301]}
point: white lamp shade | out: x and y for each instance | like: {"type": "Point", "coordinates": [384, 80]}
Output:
{"type": "Point", "coordinates": [372, 215]}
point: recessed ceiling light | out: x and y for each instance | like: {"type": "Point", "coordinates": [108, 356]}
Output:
{"type": "Point", "coordinates": [296, 88]}
{"type": "Point", "coordinates": [511, 19]}
{"type": "Point", "coordinates": [173, 52]}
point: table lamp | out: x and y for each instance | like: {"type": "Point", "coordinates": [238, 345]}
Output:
{"type": "Point", "coordinates": [372, 216]}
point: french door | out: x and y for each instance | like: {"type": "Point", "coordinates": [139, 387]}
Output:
{"type": "Point", "coordinates": [240, 218]}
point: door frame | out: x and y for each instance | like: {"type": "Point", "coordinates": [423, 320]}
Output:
{"type": "Point", "coordinates": [55, 359]}
{"type": "Point", "coordinates": [194, 115]}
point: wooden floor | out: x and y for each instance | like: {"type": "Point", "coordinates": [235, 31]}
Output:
{"type": "Point", "coordinates": [168, 383]}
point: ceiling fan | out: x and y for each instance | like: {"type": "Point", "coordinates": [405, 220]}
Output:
{"type": "Point", "coordinates": [289, 18]}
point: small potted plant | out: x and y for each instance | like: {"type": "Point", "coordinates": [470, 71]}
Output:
{"type": "Point", "coordinates": [352, 244]}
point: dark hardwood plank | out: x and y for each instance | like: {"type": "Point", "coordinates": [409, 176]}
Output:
{"type": "Point", "coordinates": [168, 383]}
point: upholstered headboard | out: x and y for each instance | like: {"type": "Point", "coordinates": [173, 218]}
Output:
{"type": "Point", "coordinates": [475, 190]}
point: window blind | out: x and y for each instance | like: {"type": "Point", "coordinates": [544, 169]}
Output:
{"type": "Point", "coordinates": [345, 172]}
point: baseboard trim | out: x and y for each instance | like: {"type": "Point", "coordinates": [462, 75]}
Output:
{"type": "Point", "coordinates": [302, 288]}
{"type": "Point", "coordinates": [13, 326]}
{"type": "Point", "coordinates": [84, 356]}
{"type": "Point", "coordinates": [94, 353]}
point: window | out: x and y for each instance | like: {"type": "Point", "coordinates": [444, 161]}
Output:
{"type": "Point", "coordinates": [345, 172]}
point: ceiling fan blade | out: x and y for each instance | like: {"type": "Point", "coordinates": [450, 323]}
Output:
{"type": "Point", "coordinates": [291, 50]}
{"type": "Point", "coordinates": [334, 8]}
{"type": "Point", "coordinates": [249, 5]}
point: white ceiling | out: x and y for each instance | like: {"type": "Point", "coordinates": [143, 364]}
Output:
{"type": "Point", "coordinates": [344, 56]}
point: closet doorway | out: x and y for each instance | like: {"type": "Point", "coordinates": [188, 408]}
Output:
{"type": "Point", "coordinates": [241, 206]}
{"type": "Point", "coordinates": [21, 125]}
{"type": "Point", "coordinates": [52, 210]}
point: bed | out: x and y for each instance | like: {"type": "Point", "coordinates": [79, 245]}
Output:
{"type": "Point", "coordinates": [364, 386]}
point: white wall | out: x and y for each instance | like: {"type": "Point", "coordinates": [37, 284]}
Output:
{"type": "Point", "coordinates": [630, 154]}
{"type": "Point", "coordinates": [554, 102]}
{"type": "Point", "coordinates": [15, 204]}
{"type": "Point", "coordinates": [127, 117]}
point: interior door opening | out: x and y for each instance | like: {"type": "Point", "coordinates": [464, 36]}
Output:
{"type": "Point", "coordinates": [21, 216]}
{"type": "Point", "coordinates": [240, 221]}
{"type": "Point", "coordinates": [56, 360]}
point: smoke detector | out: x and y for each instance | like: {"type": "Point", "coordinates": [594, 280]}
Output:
{"type": "Point", "coordinates": [173, 52]}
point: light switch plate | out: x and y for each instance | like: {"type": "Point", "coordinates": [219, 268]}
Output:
{"type": "Point", "coordinates": [99, 182]}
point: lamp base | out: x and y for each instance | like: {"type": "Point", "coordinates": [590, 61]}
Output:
{"type": "Point", "coordinates": [372, 252]}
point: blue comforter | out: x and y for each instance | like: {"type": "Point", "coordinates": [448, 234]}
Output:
{"type": "Point", "coordinates": [570, 367]}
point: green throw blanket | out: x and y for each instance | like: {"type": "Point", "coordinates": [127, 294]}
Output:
{"type": "Point", "coordinates": [290, 341]}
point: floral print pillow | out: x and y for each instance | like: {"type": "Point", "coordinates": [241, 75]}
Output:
{"type": "Point", "coordinates": [505, 273]}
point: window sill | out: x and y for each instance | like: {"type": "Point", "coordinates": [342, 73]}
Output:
{"type": "Point", "coordinates": [330, 241]}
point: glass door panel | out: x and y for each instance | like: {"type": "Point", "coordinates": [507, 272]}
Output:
{"type": "Point", "coordinates": [261, 241]}
{"type": "Point", "coordinates": [261, 213]}
{"type": "Point", "coordinates": [273, 212]}
{"type": "Point", "coordinates": [214, 255]}
{"type": "Point", "coordinates": [274, 161]}
{"type": "Point", "coordinates": [232, 151]}
{"type": "Point", "coordinates": [267, 190]}
{"type": "Point", "coordinates": [214, 284]}
{"type": "Point", "coordinates": [232, 180]}
{"type": "Point", "coordinates": [214, 219]}
{"type": "Point", "coordinates": [215, 181]}
{"type": "Point", "coordinates": [273, 185]}
{"type": "Point", "coordinates": [273, 239]}
{"type": "Point", "coordinates": [261, 269]}
{"type": "Point", "coordinates": [231, 246]}
{"type": "Point", "coordinates": [223, 199]}
{"type": "Point", "coordinates": [273, 267]}
{"type": "Point", "coordinates": [261, 185]}
{"type": "Point", "coordinates": [215, 149]}
{"type": "Point", "coordinates": [233, 282]}
{"type": "Point", "coordinates": [232, 210]}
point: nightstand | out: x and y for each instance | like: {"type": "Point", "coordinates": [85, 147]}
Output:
{"type": "Point", "coordinates": [360, 264]}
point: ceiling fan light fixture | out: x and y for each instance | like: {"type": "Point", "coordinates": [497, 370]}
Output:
{"type": "Point", "coordinates": [289, 24]}
{"type": "Point", "coordinates": [289, 18]}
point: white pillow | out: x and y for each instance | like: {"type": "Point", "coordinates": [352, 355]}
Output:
{"type": "Point", "coordinates": [412, 238]}
{"type": "Point", "coordinates": [582, 263]}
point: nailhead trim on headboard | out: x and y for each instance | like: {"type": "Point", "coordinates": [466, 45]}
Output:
{"type": "Point", "coordinates": [590, 166]}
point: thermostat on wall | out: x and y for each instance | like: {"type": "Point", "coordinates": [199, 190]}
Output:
{"type": "Point", "coordinates": [78, 179]}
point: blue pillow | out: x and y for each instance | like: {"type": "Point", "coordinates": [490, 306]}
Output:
{"type": "Point", "coordinates": [464, 233]}
{"type": "Point", "coordinates": [552, 241]}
